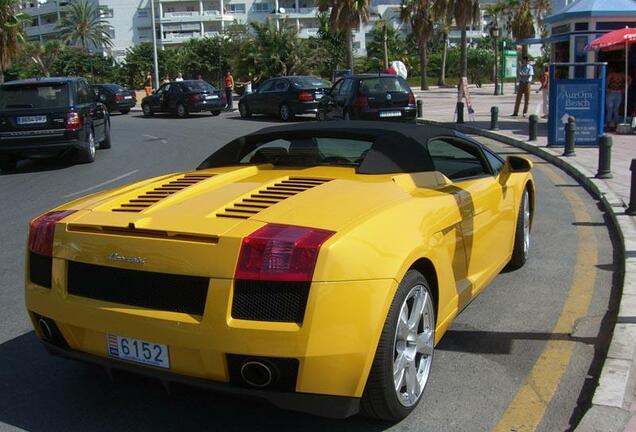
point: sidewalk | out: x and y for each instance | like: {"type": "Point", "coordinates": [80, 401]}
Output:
{"type": "Point", "coordinates": [613, 406]}
{"type": "Point", "coordinates": [439, 105]}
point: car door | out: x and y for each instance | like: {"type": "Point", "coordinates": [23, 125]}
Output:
{"type": "Point", "coordinates": [486, 207]}
{"type": "Point", "coordinates": [276, 97]}
{"type": "Point", "coordinates": [329, 101]}
{"type": "Point", "coordinates": [172, 97]}
{"type": "Point", "coordinates": [157, 98]}
{"type": "Point", "coordinates": [91, 108]}
{"type": "Point", "coordinates": [344, 98]}
{"type": "Point", "coordinates": [256, 100]}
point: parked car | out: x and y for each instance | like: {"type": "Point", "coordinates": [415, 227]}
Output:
{"type": "Point", "coordinates": [116, 97]}
{"type": "Point", "coordinates": [49, 117]}
{"type": "Point", "coordinates": [315, 265]}
{"type": "Point", "coordinates": [368, 97]}
{"type": "Point", "coordinates": [184, 97]}
{"type": "Point", "coordinates": [284, 97]}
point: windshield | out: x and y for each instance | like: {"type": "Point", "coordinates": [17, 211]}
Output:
{"type": "Point", "coordinates": [197, 86]}
{"type": "Point", "coordinates": [383, 85]}
{"type": "Point", "coordinates": [310, 83]}
{"type": "Point", "coordinates": [34, 96]}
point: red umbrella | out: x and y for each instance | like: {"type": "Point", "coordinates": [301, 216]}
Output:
{"type": "Point", "coordinates": [615, 40]}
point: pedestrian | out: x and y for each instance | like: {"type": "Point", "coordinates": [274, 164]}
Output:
{"type": "Point", "coordinates": [526, 73]}
{"type": "Point", "coordinates": [229, 88]}
{"type": "Point", "coordinates": [200, 77]}
{"type": "Point", "coordinates": [179, 77]}
{"type": "Point", "coordinates": [166, 79]}
{"type": "Point", "coordinates": [545, 88]}
{"type": "Point", "coordinates": [148, 83]}
{"type": "Point", "coordinates": [614, 95]}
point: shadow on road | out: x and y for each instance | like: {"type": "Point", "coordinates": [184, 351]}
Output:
{"type": "Point", "coordinates": [26, 166]}
{"type": "Point", "coordinates": [39, 392]}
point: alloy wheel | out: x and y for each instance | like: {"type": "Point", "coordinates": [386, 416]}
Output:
{"type": "Point", "coordinates": [284, 112]}
{"type": "Point", "coordinates": [91, 144]}
{"type": "Point", "coordinates": [146, 109]}
{"type": "Point", "coordinates": [526, 224]}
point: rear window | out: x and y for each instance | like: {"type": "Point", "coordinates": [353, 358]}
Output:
{"type": "Point", "coordinates": [383, 85]}
{"type": "Point", "coordinates": [114, 87]}
{"type": "Point", "coordinates": [34, 96]}
{"type": "Point", "coordinates": [197, 86]}
{"type": "Point", "coordinates": [310, 83]}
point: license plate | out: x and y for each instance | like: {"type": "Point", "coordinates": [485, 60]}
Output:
{"type": "Point", "coordinates": [31, 120]}
{"type": "Point", "coordinates": [390, 114]}
{"type": "Point", "coordinates": [208, 97]}
{"type": "Point", "coordinates": [138, 351]}
{"type": "Point", "coordinates": [128, 97]}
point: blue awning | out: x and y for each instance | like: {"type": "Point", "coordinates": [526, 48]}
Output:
{"type": "Point", "coordinates": [594, 8]}
{"type": "Point", "coordinates": [550, 39]}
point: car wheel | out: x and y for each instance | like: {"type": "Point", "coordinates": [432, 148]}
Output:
{"type": "Point", "coordinates": [125, 111]}
{"type": "Point", "coordinates": [522, 234]}
{"type": "Point", "coordinates": [87, 154]}
{"type": "Point", "coordinates": [182, 111]}
{"type": "Point", "coordinates": [147, 110]}
{"type": "Point", "coordinates": [285, 113]}
{"type": "Point", "coordinates": [346, 116]}
{"type": "Point", "coordinates": [215, 113]}
{"type": "Point", "coordinates": [105, 144]}
{"type": "Point", "coordinates": [244, 111]}
{"type": "Point", "coordinates": [404, 356]}
{"type": "Point", "coordinates": [320, 116]}
{"type": "Point", "coordinates": [8, 163]}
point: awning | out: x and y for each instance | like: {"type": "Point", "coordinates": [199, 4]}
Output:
{"type": "Point", "coordinates": [551, 39]}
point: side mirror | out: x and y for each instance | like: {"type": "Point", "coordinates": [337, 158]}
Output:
{"type": "Point", "coordinates": [518, 164]}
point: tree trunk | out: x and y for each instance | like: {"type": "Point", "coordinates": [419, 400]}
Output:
{"type": "Point", "coordinates": [442, 75]}
{"type": "Point", "coordinates": [349, 38]}
{"type": "Point", "coordinates": [463, 58]}
{"type": "Point", "coordinates": [423, 65]}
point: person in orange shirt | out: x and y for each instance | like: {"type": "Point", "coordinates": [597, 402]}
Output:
{"type": "Point", "coordinates": [229, 88]}
{"type": "Point", "coordinates": [148, 84]}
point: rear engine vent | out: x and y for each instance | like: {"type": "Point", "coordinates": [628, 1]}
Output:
{"type": "Point", "coordinates": [161, 291]}
{"type": "Point", "coordinates": [151, 197]}
{"type": "Point", "coordinates": [269, 196]}
{"type": "Point", "coordinates": [270, 300]}
{"type": "Point", "coordinates": [40, 268]}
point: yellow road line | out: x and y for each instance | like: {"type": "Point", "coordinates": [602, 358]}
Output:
{"type": "Point", "coordinates": [527, 409]}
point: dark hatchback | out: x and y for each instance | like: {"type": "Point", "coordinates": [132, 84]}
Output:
{"type": "Point", "coordinates": [49, 117]}
{"type": "Point", "coordinates": [184, 97]}
{"type": "Point", "coordinates": [116, 97]}
{"type": "Point", "coordinates": [284, 97]}
{"type": "Point", "coordinates": [368, 97]}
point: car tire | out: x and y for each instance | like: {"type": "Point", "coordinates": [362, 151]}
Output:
{"type": "Point", "coordinates": [8, 163]}
{"type": "Point", "coordinates": [522, 233]}
{"type": "Point", "coordinates": [244, 111]}
{"type": "Point", "coordinates": [105, 144]}
{"type": "Point", "coordinates": [285, 113]}
{"type": "Point", "coordinates": [124, 111]}
{"type": "Point", "coordinates": [87, 153]}
{"type": "Point", "coordinates": [320, 116]}
{"type": "Point", "coordinates": [399, 354]}
{"type": "Point", "coordinates": [346, 116]}
{"type": "Point", "coordinates": [147, 110]}
{"type": "Point", "coordinates": [215, 113]}
{"type": "Point", "coordinates": [182, 111]}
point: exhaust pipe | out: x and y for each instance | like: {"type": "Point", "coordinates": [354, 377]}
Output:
{"type": "Point", "coordinates": [257, 374]}
{"type": "Point", "coordinates": [46, 329]}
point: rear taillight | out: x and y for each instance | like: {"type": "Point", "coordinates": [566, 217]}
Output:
{"type": "Point", "coordinates": [73, 121]}
{"type": "Point", "coordinates": [361, 102]}
{"type": "Point", "coordinates": [305, 96]}
{"type": "Point", "coordinates": [195, 98]}
{"type": "Point", "coordinates": [42, 229]}
{"type": "Point", "coordinates": [280, 253]}
{"type": "Point", "coordinates": [119, 97]}
{"type": "Point", "coordinates": [411, 99]}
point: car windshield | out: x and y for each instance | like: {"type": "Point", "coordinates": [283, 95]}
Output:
{"type": "Point", "coordinates": [310, 83]}
{"type": "Point", "coordinates": [34, 96]}
{"type": "Point", "coordinates": [383, 85]}
{"type": "Point", "coordinates": [197, 86]}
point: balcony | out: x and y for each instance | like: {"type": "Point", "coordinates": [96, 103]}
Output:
{"type": "Point", "coordinates": [41, 29]}
{"type": "Point", "coordinates": [43, 8]}
{"type": "Point", "coordinates": [175, 38]}
{"type": "Point", "coordinates": [194, 16]}
{"type": "Point", "coordinates": [307, 12]}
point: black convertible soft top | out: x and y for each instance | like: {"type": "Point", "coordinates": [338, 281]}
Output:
{"type": "Point", "coordinates": [396, 148]}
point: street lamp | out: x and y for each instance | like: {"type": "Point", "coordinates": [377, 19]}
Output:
{"type": "Point", "coordinates": [494, 33]}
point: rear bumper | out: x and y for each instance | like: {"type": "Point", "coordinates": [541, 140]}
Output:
{"type": "Point", "coordinates": [323, 405]}
{"type": "Point", "coordinates": [123, 105]}
{"type": "Point", "coordinates": [212, 105]}
{"type": "Point", "coordinates": [44, 145]}
{"type": "Point", "coordinates": [304, 107]}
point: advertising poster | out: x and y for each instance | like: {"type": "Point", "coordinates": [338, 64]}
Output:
{"type": "Point", "coordinates": [578, 99]}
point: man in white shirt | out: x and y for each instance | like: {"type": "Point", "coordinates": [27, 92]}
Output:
{"type": "Point", "coordinates": [526, 73]}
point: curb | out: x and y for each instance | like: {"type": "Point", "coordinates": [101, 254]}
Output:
{"type": "Point", "coordinates": [612, 404]}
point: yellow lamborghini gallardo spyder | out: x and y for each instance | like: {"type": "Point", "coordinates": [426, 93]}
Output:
{"type": "Point", "coordinates": [314, 265]}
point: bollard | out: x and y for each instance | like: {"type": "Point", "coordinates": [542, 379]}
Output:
{"type": "Point", "coordinates": [532, 129]}
{"type": "Point", "coordinates": [419, 108]}
{"type": "Point", "coordinates": [604, 157]}
{"type": "Point", "coordinates": [631, 210]}
{"type": "Point", "coordinates": [460, 112]}
{"type": "Point", "coordinates": [494, 118]}
{"type": "Point", "coordinates": [570, 129]}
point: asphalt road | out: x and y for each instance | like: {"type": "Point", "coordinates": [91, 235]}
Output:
{"type": "Point", "coordinates": [520, 357]}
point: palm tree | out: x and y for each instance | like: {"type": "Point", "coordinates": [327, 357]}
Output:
{"type": "Point", "coordinates": [43, 56]}
{"type": "Point", "coordinates": [82, 26]}
{"type": "Point", "coordinates": [11, 33]}
{"type": "Point", "coordinates": [521, 20]}
{"type": "Point", "coordinates": [419, 14]}
{"type": "Point", "coordinates": [443, 16]}
{"type": "Point", "coordinates": [466, 13]}
{"type": "Point", "coordinates": [344, 17]}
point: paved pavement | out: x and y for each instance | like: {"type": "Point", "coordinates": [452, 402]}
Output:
{"type": "Point", "coordinates": [547, 320]}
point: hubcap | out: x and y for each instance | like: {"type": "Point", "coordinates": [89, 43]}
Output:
{"type": "Point", "coordinates": [180, 110]}
{"type": "Point", "coordinates": [146, 109]}
{"type": "Point", "coordinates": [242, 110]}
{"type": "Point", "coordinates": [526, 224]}
{"type": "Point", "coordinates": [284, 112]}
{"type": "Point", "coordinates": [413, 347]}
{"type": "Point", "coordinates": [91, 144]}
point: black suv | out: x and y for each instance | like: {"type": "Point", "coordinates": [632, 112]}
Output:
{"type": "Point", "coordinates": [183, 98]}
{"type": "Point", "coordinates": [49, 117]}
